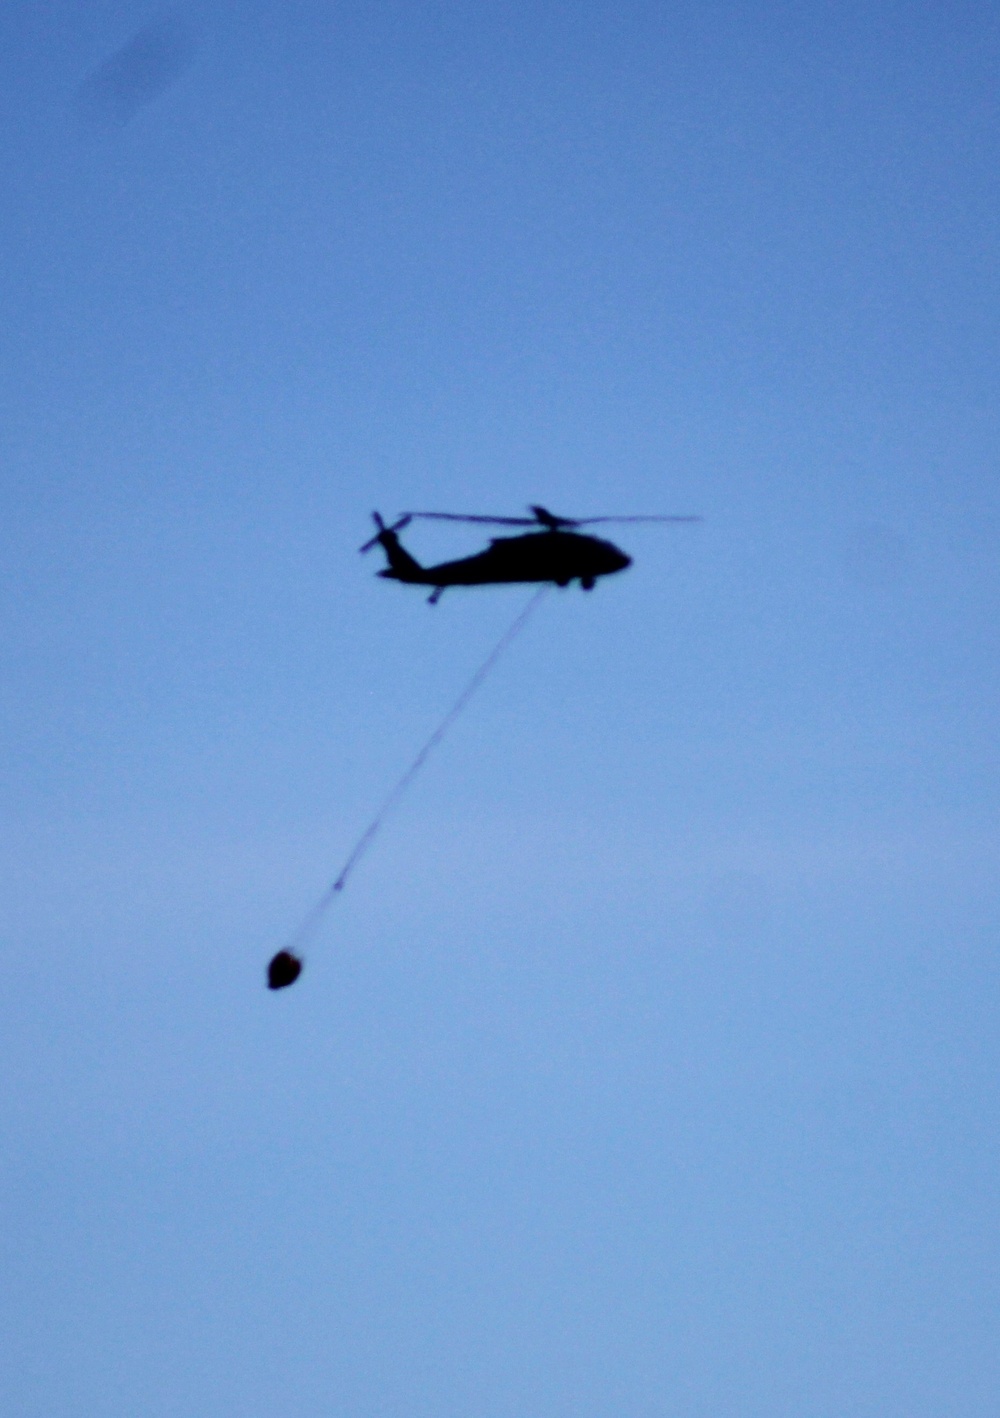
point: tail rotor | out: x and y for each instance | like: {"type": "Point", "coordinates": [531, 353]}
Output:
{"type": "Point", "coordinates": [397, 526]}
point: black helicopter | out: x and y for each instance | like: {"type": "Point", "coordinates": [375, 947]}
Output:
{"type": "Point", "coordinates": [552, 551]}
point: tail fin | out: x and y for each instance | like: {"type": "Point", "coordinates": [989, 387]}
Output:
{"type": "Point", "coordinates": [402, 566]}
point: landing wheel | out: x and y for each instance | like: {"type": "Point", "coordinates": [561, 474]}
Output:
{"type": "Point", "coordinates": [587, 583]}
{"type": "Point", "coordinates": [562, 585]}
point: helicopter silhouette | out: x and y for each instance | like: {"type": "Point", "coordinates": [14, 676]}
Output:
{"type": "Point", "coordinates": [551, 551]}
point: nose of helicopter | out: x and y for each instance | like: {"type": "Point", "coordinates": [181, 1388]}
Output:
{"type": "Point", "coordinates": [619, 561]}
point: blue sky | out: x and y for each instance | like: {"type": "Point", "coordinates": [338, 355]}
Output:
{"type": "Point", "coordinates": [647, 1065]}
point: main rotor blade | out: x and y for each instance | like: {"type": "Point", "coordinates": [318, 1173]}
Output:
{"type": "Point", "coordinates": [589, 521]}
{"type": "Point", "coordinates": [461, 517]}
{"type": "Point", "coordinates": [542, 518]}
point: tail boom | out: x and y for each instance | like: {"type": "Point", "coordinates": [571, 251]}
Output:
{"type": "Point", "coordinates": [402, 566]}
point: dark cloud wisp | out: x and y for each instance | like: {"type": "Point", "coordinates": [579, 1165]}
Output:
{"type": "Point", "coordinates": [136, 74]}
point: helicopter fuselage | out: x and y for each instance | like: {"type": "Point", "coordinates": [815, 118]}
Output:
{"type": "Point", "coordinates": [550, 555]}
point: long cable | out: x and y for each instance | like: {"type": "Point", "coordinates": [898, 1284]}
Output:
{"type": "Point", "coordinates": [316, 914]}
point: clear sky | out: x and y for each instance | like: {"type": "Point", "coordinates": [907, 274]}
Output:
{"type": "Point", "coordinates": [648, 1066]}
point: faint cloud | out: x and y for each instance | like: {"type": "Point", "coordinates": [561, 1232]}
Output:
{"type": "Point", "coordinates": [136, 74]}
{"type": "Point", "coordinates": [875, 556]}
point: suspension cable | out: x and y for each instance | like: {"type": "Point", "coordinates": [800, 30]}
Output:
{"type": "Point", "coordinates": [285, 967]}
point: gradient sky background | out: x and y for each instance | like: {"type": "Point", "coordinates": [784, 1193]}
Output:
{"type": "Point", "coordinates": [648, 1066]}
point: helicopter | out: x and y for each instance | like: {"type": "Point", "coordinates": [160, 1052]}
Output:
{"type": "Point", "coordinates": [551, 551]}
